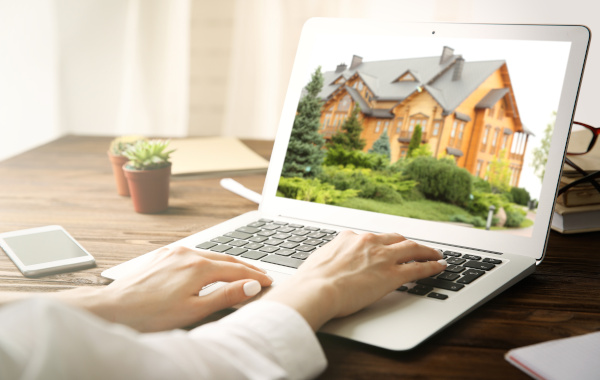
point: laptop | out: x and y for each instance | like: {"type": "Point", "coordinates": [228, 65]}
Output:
{"type": "Point", "coordinates": [449, 117]}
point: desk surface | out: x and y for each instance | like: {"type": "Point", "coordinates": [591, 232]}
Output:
{"type": "Point", "coordinates": [69, 182]}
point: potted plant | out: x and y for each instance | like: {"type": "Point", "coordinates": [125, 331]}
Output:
{"type": "Point", "coordinates": [148, 174]}
{"type": "Point", "coordinates": [117, 159]}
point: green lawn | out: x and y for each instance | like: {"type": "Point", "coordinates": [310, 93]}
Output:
{"type": "Point", "coordinates": [422, 209]}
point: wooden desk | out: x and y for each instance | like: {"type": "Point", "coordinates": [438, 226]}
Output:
{"type": "Point", "coordinates": [69, 182]}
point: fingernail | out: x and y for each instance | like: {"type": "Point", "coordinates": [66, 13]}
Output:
{"type": "Point", "coordinates": [262, 270]}
{"type": "Point", "coordinates": [251, 288]}
{"type": "Point", "coordinates": [270, 278]}
{"type": "Point", "coordinates": [443, 262]}
{"type": "Point", "coordinates": [441, 253]}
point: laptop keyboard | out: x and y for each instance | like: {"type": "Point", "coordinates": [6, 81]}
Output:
{"type": "Point", "coordinates": [289, 244]}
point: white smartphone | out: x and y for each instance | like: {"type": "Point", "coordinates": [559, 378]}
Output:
{"type": "Point", "coordinates": [45, 250]}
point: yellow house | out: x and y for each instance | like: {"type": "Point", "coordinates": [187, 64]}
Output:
{"type": "Point", "coordinates": [465, 109]}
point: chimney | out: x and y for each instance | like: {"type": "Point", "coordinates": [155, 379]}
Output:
{"type": "Point", "coordinates": [458, 68]}
{"type": "Point", "coordinates": [341, 67]}
{"type": "Point", "coordinates": [446, 54]}
{"type": "Point", "coordinates": [356, 60]}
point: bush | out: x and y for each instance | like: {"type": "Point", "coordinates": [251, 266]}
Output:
{"type": "Point", "coordinates": [312, 190]}
{"type": "Point", "coordinates": [520, 196]}
{"type": "Point", "coordinates": [480, 203]}
{"type": "Point", "coordinates": [369, 184]}
{"type": "Point", "coordinates": [440, 180]}
{"type": "Point", "coordinates": [336, 155]}
{"type": "Point", "coordinates": [481, 186]}
{"type": "Point", "coordinates": [474, 220]}
{"type": "Point", "coordinates": [514, 215]}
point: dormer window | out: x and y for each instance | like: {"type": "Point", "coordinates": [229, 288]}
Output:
{"type": "Point", "coordinates": [406, 77]}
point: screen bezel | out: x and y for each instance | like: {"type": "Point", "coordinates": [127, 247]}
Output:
{"type": "Point", "coordinates": [533, 246]}
{"type": "Point", "coordinates": [50, 266]}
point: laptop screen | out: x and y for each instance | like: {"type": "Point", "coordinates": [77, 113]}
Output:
{"type": "Point", "coordinates": [447, 130]}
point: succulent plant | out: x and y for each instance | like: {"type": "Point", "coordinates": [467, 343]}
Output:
{"type": "Point", "coordinates": [148, 155]}
{"type": "Point", "coordinates": [119, 145]}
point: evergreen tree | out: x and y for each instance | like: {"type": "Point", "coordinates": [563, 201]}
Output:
{"type": "Point", "coordinates": [304, 156]}
{"type": "Point", "coordinates": [415, 140]}
{"type": "Point", "coordinates": [540, 154]}
{"type": "Point", "coordinates": [349, 137]}
{"type": "Point", "coordinates": [382, 145]}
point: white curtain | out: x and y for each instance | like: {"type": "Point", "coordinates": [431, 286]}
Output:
{"type": "Point", "coordinates": [124, 66]}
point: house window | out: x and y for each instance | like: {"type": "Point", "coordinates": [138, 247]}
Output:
{"type": "Point", "coordinates": [484, 140]}
{"type": "Point", "coordinates": [360, 86]}
{"type": "Point", "coordinates": [344, 104]}
{"type": "Point", "coordinates": [436, 128]}
{"type": "Point", "coordinates": [453, 131]}
{"type": "Point", "coordinates": [501, 113]}
{"type": "Point", "coordinates": [355, 84]}
{"type": "Point", "coordinates": [403, 152]}
{"type": "Point", "coordinates": [478, 170]}
{"type": "Point", "coordinates": [495, 141]}
{"type": "Point", "coordinates": [385, 126]}
{"type": "Point", "coordinates": [504, 140]}
{"type": "Point", "coordinates": [378, 127]}
{"type": "Point", "coordinates": [461, 130]}
{"type": "Point", "coordinates": [327, 119]}
{"type": "Point", "coordinates": [399, 125]}
{"type": "Point", "coordinates": [491, 113]}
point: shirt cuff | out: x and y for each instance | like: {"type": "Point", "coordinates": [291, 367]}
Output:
{"type": "Point", "coordinates": [291, 338]}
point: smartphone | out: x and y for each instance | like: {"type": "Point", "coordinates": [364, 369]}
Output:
{"type": "Point", "coordinates": [45, 250]}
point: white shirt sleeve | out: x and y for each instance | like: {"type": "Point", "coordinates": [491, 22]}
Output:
{"type": "Point", "coordinates": [44, 339]}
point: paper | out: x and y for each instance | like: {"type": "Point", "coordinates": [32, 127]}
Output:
{"type": "Point", "coordinates": [569, 358]}
{"type": "Point", "coordinates": [212, 155]}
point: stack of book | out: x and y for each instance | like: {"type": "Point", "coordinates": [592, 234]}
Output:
{"type": "Point", "coordinates": [578, 209]}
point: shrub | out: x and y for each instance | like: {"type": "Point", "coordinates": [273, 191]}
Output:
{"type": "Point", "coordinates": [440, 180]}
{"type": "Point", "coordinates": [481, 186]}
{"type": "Point", "coordinates": [520, 196]}
{"type": "Point", "coordinates": [480, 203]}
{"type": "Point", "coordinates": [474, 220]}
{"type": "Point", "coordinates": [312, 190]}
{"type": "Point", "coordinates": [336, 155]}
{"type": "Point", "coordinates": [514, 215]}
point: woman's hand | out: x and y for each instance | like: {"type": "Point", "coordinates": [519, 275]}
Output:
{"type": "Point", "coordinates": [164, 294]}
{"type": "Point", "coordinates": [353, 271]}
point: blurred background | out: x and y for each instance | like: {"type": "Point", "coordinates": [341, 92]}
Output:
{"type": "Point", "coordinates": [179, 68]}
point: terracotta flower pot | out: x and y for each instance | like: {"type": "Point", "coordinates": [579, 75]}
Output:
{"type": "Point", "coordinates": [149, 189]}
{"type": "Point", "coordinates": [117, 166]}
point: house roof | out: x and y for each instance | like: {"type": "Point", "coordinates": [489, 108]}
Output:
{"type": "Point", "coordinates": [381, 78]}
{"type": "Point", "coordinates": [491, 98]}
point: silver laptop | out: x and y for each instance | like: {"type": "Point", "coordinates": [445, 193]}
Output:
{"type": "Point", "coordinates": [449, 117]}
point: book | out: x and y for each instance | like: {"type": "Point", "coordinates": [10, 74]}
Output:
{"type": "Point", "coordinates": [568, 358]}
{"type": "Point", "coordinates": [579, 195]}
{"type": "Point", "coordinates": [214, 156]}
{"type": "Point", "coordinates": [568, 220]}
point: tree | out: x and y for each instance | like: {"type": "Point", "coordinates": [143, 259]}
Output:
{"type": "Point", "coordinates": [349, 136]}
{"type": "Point", "coordinates": [498, 174]}
{"type": "Point", "coordinates": [305, 155]}
{"type": "Point", "coordinates": [382, 145]}
{"type": "Point", "coordinates": [415, 140]}
{"type": "Point", "coordinates": [540, 154]}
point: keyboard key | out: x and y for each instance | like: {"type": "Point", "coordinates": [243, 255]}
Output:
{"type": "Point", "coordinates": [285, 252]}
{"type": "Point", "coordinates": [448, 276]}
{"type": "Point", "coordinates": [492, 261]}
{"type": "Point", "coordinates": [221, 248]}
{"type": "Point", "coordinates": [222, 239]}
{"type": "Point", "coordinates": [235, 251]}
{"type": "Point", "coordinates": [329, 232]}
{"type": "Point", "coordinates": [280, 223]}
{"type": "Point", "coordinates": [469, 277]}
{"type": "Point", "coordinates": [293, 225]}
{"type": "Point", "coordinates": [281, 236]}
{"type": "Point", "coordinates": [206, 245]}
{"type": "Point", "coordinates": [265, 220]}
{"type": "Point", "coordinates": [316, 235]}
{"type": "Point", "coordinates": [454, 268]}
{"type": "Point", "coordinates": [479, 265]}
{"type": "Point", "coordinates": [238, 243]}
{"type": "Point", "coordinates": [402, 288]}
{"type": "Point", "coordinates": [455, 260]}
{"type": "Point", "coordinates": [452, 253]}
{"type": "Point", "coordinates": [301, 232]}
{"type": "Point", "coordinates": [438, 296]}
{"type": "Point", "coordinates": [297, 239]}
{"type": "Point", "coordinates": [289, 245]}
{"type": "Point", "coordinates": [442, 284]}
{"type": "Point", "coordinates": [273, 242]}
{"type": "Point", "coordinates": [285, 229]}
{"type": "Point", "coordinates": [248, 230]}
{"type": "Point", "coordinates": [301, 255]}
{"type": "Point", "coordinates": [313, 242]}
{"type": "Point", "coordinates": [310, 228]}
{"type": "Point", "coordinates": [305, 248]}
{"type": "Point", "coordinates": [258, 239]}
{"type": "Point", "coordinates": [271, 227]}
{"type": "Point", "coordinates": [266, 233]}
{"type": "Point", "coordinates": [238, 235]}
{"type": "Point", "coordinates": [420, 290]}
{"type": "Point", "coordinates": [257, 224]}
{"type": "Point", "coordinates": [471, 257]}
{"type": "Point", "coordinates": [254, 246]}
{"type": "Point", "coordinates": [328, 238]}
{"type": "Point", "coordinates": [268, 249]}
{"type": "Point", "coordinates": [254, 255]}
{"type": "Point", "coordinates": [283, 260]}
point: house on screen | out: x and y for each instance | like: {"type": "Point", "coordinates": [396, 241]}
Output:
{"type": "Point", "coordinates": [466, 109]}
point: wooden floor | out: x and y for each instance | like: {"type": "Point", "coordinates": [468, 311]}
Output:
{"type": "Point", "coordinates": [69, 182]}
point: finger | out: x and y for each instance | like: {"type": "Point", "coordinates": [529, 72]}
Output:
{"type": "Point", "coordinates": [234, 271]}
{"type": "Point", "coordinates": [418, 270]}
{"type": "Point", "coordinates": [229, 295]}
{"type": "Point", "coordinates": [408, 250]}
{"type": "Point", "coordinates": [225, 257]}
